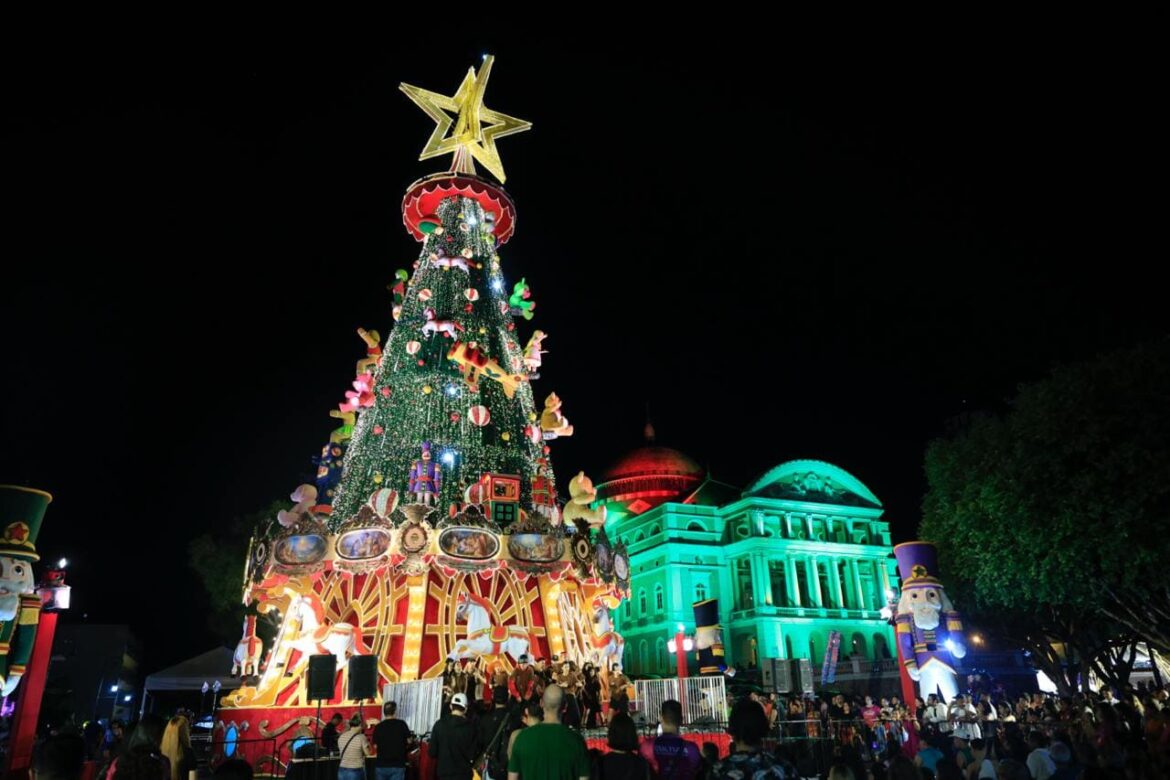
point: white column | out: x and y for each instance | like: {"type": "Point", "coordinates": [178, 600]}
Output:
{"type": "Point", "coordinates": [791, 582]}
{"type": "Point", "coordinates": [855, 570]}
{"type": "Point", "coordinates": [835, 595]}
{"type": "Point", "coordinates": [814, 581]}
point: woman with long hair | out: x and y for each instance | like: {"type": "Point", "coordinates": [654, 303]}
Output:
{"type": "Point", "coordinates": [176, 746]}
{"type": "Point", "coordinates": [590, 695]}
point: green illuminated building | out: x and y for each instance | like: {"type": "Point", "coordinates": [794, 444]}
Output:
{"type": "Point", "coordinates": [801, 552]}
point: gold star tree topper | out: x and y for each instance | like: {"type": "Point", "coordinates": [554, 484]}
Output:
{"type": "Point", "coordinates": [476, 127]}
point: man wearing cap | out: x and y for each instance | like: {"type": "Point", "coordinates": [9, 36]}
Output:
{"type": "Point", "coordinates": [453, 742]}
{"type": "Point", "coordinates": [522, 683]}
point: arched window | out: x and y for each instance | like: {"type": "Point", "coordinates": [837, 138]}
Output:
{"type": "Point", "coordinates": [641, 602]}
{"type": "Point", "coordinates": [693, 526]}
{"type": "Point", "coordinates": [639, 537]}
{"type": "Point", "coordinates": [654, 531]}
{"type": "Point", "coordinates": [859, 649]}
{"type": "Point", "coordinates": [643, 657]}
{"type": "Point", "coordinates": [880, 648]}
{"type": "Point", "coordinates": [628, 608]}
{"type": "Point", "coordinates": [701, 591]}
{"type": "Point", "coordinates": [812, 649]}
{"type": "Point", "coordinates": [659, 599]}
{"type": "Point", "coordinates": [660, 655]}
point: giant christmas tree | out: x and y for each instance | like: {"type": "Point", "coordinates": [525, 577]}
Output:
{"type": "Point", "coordinates": [433, 531]}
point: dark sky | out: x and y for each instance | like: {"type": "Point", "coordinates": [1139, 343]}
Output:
{"type": "Point", "coordinates": [823, 254]}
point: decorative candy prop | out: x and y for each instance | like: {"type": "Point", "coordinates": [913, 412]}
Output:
{"type": "Point", "coordinates": [552, 422]}
{"type": "Point", "coordinates": [519, 300]}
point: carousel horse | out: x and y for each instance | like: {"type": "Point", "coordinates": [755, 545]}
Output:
{"type": "Point", "coordinates": [482, 637]}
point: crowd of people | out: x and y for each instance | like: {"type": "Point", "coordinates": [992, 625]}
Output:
{"type": "Point", "coordinates": [531, 728]}
{"type": "Point", "coordinates": [591, 692]}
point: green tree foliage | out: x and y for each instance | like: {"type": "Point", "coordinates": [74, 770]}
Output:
{"type": "Point", "coordinates": [219, 560]}
{"type": "Point", "coordinates": [1053, 519]}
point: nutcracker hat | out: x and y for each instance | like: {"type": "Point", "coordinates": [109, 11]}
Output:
{"type": "Point", "coordinates": [917, 564]}
{"type": "Point", "coordinates": [706, 613]}
{"type": "Point", "coordinates": [22, 510]}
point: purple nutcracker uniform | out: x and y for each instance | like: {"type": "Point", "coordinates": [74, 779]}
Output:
{"type": "Point", "coordinates": [930, 633]}
{"type": "Point", "coordinates": [426, 478]}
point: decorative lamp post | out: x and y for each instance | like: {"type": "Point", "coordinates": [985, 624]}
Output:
{"type": "Point", "coordinates": [686, 643]}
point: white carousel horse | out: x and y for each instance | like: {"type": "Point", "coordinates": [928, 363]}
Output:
{"type": "Point", "coordinates": [246, 659]}
{"type": "Point", "coordinates": [482, 637]}
{"type": "Point", "coordinates": [316, 637]}
{"type": "Point", "coordinates": [607, 642]}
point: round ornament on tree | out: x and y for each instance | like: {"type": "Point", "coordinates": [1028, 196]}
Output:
{"type": "Point", "coordinates": [425, 294]}
{"type": "Point", "coordinates": [479, 416]}
{"type": "Point", "coordinates": [412, 347]}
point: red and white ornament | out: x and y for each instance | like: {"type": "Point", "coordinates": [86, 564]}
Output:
{"type": "Point", "coordinates": [504, 308]}
{"type": "Point", "coordinates": [479, 415]}
{"type": "Point", "coordinates": [412, 347]}
{"type": "Point", "coordinates": [471, 294]}
{"type": "Point", "coordinates": [425, 294]}
{"type": "Point", "coordinates": [383, 501]}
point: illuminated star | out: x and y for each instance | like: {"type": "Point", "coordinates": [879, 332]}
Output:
{"type": "Point", "coordinates": [474, 127]}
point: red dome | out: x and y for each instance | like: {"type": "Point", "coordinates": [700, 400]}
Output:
{"type": "Point", "coordinates": [648, 477]}
{"type": "Point", "coordinates": [652, 461]}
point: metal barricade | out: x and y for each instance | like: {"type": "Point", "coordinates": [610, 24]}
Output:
{"type": "Point", "coordinates": [420, 702]}
{"type": "Point", "coordinates": [703, 699]}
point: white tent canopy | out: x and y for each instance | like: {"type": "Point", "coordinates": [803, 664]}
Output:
{"type": "Point", "coordinates": [190, 675]}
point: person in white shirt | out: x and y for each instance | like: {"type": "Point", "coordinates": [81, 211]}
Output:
{"type": "Point", "coordinates": [1040, 763]}
{"type": "Point", "coordinates": [963, 716]}
{"type": "Point", "coordinates": [936, 715]}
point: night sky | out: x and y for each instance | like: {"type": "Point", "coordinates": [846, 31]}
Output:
{"type": "Point", "coordinates": [827, 254]}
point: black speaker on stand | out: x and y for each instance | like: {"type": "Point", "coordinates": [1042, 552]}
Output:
{"type": "Point", "coordinates": [363, 679]}
{"type": "Point", "coordinates": [322, 676]}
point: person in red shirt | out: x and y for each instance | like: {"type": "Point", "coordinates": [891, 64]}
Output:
{"type": "Point", "coordinates": [670, 756]}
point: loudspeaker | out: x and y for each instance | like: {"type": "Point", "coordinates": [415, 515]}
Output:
{"type": "Point", "coordinates": [804, 673]}
{"type": "Point", "coordinates": [363, 677]}
{"type": "Point", "coordinates": [322, 673]}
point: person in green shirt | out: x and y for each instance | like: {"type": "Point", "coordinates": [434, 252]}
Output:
{"type": "Point", "coordinates": [548, 750]}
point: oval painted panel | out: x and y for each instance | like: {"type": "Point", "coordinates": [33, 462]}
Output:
{"type": "Point", "coordinates": [363, 543]}
{"type": "Point", "coordinates": [473, 543]}
{"type": "Point", "coordinates": [536, 547]}
{"type": "Point", "coordinates": [300, 549]}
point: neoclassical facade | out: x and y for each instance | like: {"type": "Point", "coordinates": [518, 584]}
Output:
{"type": "Point", "coordinates": [801, 552]}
